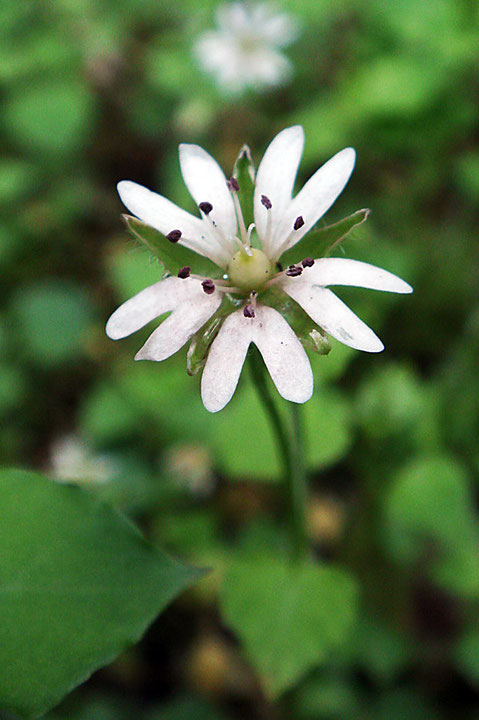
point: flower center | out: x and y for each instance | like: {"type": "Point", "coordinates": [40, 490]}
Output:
{"type": "Point", "coordinates": [250, 272]}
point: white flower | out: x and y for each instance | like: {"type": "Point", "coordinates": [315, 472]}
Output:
{"type": "Point", "coordinates": [72, 460]}
{"type": "Point", "coordinates": [245, 50]}
{"type": "Point", "coordinates": [281, 221]}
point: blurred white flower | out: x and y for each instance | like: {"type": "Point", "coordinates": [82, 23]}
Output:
{"type": "Point", "coordinates": [72, 460]}
{"type": "Point", "coordinates": [245, 272]}
{"type": "Point", "coordinates": [244, 52]}
{"type": "Point", "coordinates": [190, 466]}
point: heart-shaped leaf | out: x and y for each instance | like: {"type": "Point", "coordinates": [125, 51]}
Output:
{"type": "Point", "coordinates": [78, 583]}
{"type": "Point", "coordinates": [288, 617]}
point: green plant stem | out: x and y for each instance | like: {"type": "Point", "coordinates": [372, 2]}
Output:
{"type": "Point", "coordinates": [291, 445]}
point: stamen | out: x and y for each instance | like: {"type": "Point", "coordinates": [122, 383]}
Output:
{"type": "Point", "coordinates": [232, 184]}
{"type": "Point", "coordinates": [307, 262]}
{"type": "Point", "coordinates": [239, 214]}
{"type": "Point", "coordinates": [208, 286]}
{"type": "Point", "coordinates": [249, 309]}
{"type": "Point", "coordinates": [298, 223]}
{"type": "Point", "coordinates": [269, 221]}
{"type": "Point", "coordinates": [294, 270]}
{"type": "Point", "coordinates": [173, 236]}
{"type": "Point", "coordinates": [184, 272]}
{"type": "Point", "coordinates": [205, 207]}
{"type": "Point", "coordinates": [266, 202]}
{"type": "Point", "coordinates": [225, 243]}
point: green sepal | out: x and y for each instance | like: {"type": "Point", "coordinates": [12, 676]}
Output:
{"type": "Point", "coordinates": [201, 341]}
{"type": "Point", "coordinates": [312, 337]}
{"type": "Point", "coordinates": [172, 256]}
{"type": "Point", "coordinates": [321, 243]}
{"type": "Point", "coordinates": [244, 172]}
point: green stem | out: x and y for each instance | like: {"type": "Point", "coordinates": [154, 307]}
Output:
{"type": "Point", "coordinates": [298, 488]}
{"type": "Point", "coordinates": [291, 445]}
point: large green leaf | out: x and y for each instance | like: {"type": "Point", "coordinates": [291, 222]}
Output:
{"type": "Point", "coordinates": [288, 617]}
{"type": "Point", "coordinates": [321, 242]}
{"type": "Point", "coordinates": [78, 583]}
{"type": "Point", "coordinates": [172, 256]}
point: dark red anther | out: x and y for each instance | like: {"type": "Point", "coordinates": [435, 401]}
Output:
{"type": "Point", "coordinates": [266, 202]}
{"type": "Point", "coordinates": [248, 311]}
{"type": "Point", "coordinates": [205, 207]}
{"type": "Point", "coordinates": [173, 236]}
{"type": "Point", "coordinates": [307, 262]}
{"type": "Point", "coordinates": [184, 272]}
{"type": "Point", "coordinates": [298, 223]}
{"type": "Point", "coordinates": [232, 184]}
{"type": "Point", "coordinates": [294, 270]}
{"type": "Point", "coordinates": [208, 286]}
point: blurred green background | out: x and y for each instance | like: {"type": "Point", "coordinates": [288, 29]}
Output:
{"type": "Point", "coordinates": [95, 92]}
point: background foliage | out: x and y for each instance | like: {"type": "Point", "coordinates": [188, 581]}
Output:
{"type": "Point", "coordinates": [97, 92]}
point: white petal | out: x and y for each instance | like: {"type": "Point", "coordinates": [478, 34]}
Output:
{"type": "Point", "coordinates": [342, 271]}
{"type": "Point", "coordinates": [143, 307]}
{"type": "Point", "coordinates": [225, 360]}
{"type": "Point", "coordinates": [206, 182]}
{"type": "Point", "coordinates": [275, 179]}
{"type": "Point", "coordinates": [331, 314]}
{"type": "Point", "coordinates": [317, 196]}
{"type": "Point", "coordinates": [283, 354]}
{"type": "Point", "coordinates": [160, 213]}
{"type": "Point", "coordinates": [279, 29]}
{"type": "Point", "coordinates": [191, 307]}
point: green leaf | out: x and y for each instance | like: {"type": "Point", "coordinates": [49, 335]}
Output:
{"type": "Point", "coordinates": [391, 400]}
{"type": "Point", "coordinates": [78, 583]}
{"type": "Point", "coordinates": [17, 179]}
{"type": "Point", "coordinates": [326, 421]}
{"type": "Point", "coordinates": [288, 617]}
{"type": "Point", "coordinates": [172, 256]}
{"type": "Point", "coordinates": [379, 650]}
{"type": "Point", "coordinates": [429, 514]}
{"type": "Point", "coordinates": [53, 320]}
{"type": "Point", "coordinates": [108, 414]}
{"type": "Point", "coordinates": [321, 242]}
{"type": "Point", "coordinates": [55, 117]}
{"type": "Point", "coordinates": [245, 173]}
{"type": "Point", "coordinates": [327, 696]}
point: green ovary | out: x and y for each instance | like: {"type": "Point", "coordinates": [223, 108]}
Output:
{"type": "Point", "coordinates": [249, 272]}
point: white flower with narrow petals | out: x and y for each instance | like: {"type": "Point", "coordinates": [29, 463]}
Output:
{"type": "Point", "coordinates": [245, 49]}
{"type": "Point", "coordinates": [249, 270]}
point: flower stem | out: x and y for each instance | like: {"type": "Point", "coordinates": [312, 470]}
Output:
{"type": "Point", "coordinates": [291, 445]}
